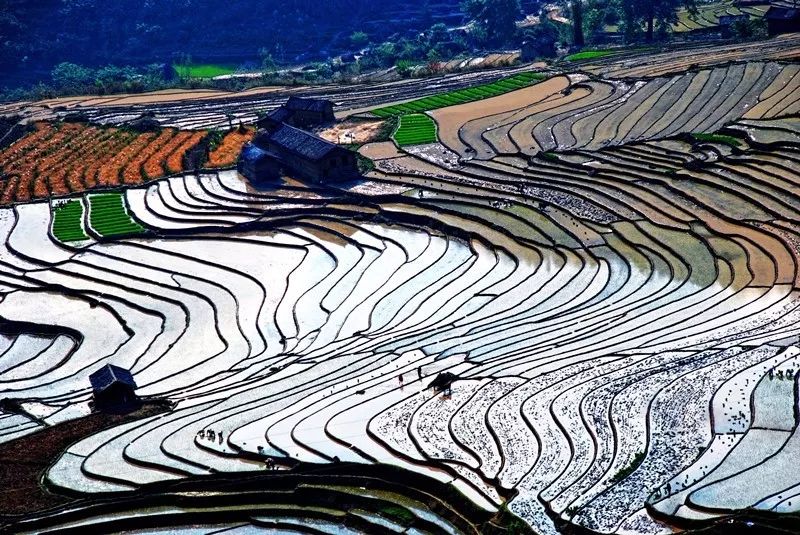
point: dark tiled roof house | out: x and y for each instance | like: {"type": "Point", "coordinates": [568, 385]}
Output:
{"type": "Point", "coordinates": [300, 112]}
{"type": "Point", "coordinates": [306, 156]}
{"type": "Point", "coordinates": [281, 146]}
{"type": "Point", "coordinates": [113, 388]}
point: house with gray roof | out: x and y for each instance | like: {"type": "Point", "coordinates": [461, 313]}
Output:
{"type": "Point", "coordinates": [303, 155]}
{"type": "Point", "coordinates": [300, 112]}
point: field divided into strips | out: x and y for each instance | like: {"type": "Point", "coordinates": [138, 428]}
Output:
{"type": "Point", "coordinates": [415, 129]}
{"type": "Point", "coordinates": [226, 153]}
{"type": "Point", "coordinates": [621, 317]}
{"type": "Point", "coordinates": [451, 98]}
{"type": "Point", "coordinates": [679, 59]}
{"type": "Point", "coordinates": [68, 221]}
{"type": "Point", "coordinates": [59, 159]}
{"type": "Point", "coordinates": [108, 216]}
{"type": "Point", "coordinates": [597, 113]}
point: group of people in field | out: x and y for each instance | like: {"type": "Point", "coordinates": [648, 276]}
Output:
{"type": "Point", "coordinates": [211, 435]}
{"type": "Point", "coordinates": [269, 464]}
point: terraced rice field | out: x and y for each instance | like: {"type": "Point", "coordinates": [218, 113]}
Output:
{"type": "Point", "coordinates": [415, 129]}
{"type": "Point", "coordinates": [707, 16]}
{"type": "Point", "coordinates": [608, 266]}
{"type": "Point", "coordinates": [109, 217]}
{"type": "Point", "coordinates": [68, 221]}
{"type": "Point", "coordinates": [214, 109]}
{"type": "Point", "coordinates": [588, 54]}
{"type": "Point", "coordinates": [461, 96]}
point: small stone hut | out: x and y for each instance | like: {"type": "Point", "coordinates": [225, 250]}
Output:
{"type": "Point", "coordinates": [113, 389]}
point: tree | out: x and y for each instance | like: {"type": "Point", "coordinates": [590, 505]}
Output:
{"type": "Point", "coordinates": [72, 77]}
{"type": "Point", "coordinates": [359, 39]}
{"type": "Point", "coordinates": [268, 65]}
{"type": "Point", "coordinates": [437, 34]}
{"type": "Point", "coordinates": [630, 22]}
{"type": "Point", "coordinates": [597, 14]}
{"type": "Point", "coordinates": [385, 54]}
{"type": "Point", "coordinates": [434, 61]}
{"type": "Point", "coordinates": [653, 15]}
{"type": "Point", "coordinates": [404, 68]}
{"type": "Point", "coordinates": [541, 39]}
{"type": "Point", "coordinates": [183, 63]}
{"type": "Point", "coordinates": [576, 6]}
{"type": "Point", "coordinates": [324, 70]}
{"type": "Point", "coordinates": [165, 71]}
{"type": "Point", "coordinates": [495, 19]}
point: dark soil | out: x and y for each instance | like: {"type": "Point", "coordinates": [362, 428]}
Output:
{"type": "Point", "coordinates": [24, 461]}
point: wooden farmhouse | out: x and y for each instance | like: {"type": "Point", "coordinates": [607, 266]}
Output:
{"type": "Point", "coordinates": [258, 165]}
{"type": "Point", "coordinates": [283, 147]}
{"type": "Point", "coordinates": [299, 154]}
{"type": "Point", "coordinates": [309, 157]}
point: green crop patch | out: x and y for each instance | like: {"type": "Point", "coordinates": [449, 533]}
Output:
{"type": "Point", "coordinates": [203, 71]}
{"type": "Point", "coordinates": [589, 54]}
{"type": "Point", "coordinates": [68, 221]}
{"type": "Point", "coordinates": [415, 129]}
{"type": "Point", "coordinates": [108, 216]}
{"type": "Point", "coordinates": [462, 96]}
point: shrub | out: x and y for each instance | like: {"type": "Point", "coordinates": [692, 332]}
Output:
{"type": "Point", "coordinates": [359, 39]}
{"type": "Point", "coordinates": [749, 29]}
{"type": "Point", "coordinates": [631, 468]}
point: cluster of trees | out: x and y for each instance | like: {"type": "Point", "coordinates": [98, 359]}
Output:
{"type": "Point", "coordinates": [37, 35]}
{"type": "Point", "coordinates": [494, 20]}
{"type": "Point", "coordinates": [637, 19]}
{"type": "Point", "coordinates": [492, 24]}
{"type": "Point", "coordinates": [432, 45]}
{"type": "Point", "coordinates": [642, 20]}
{"type": "Point", "coordinates": [73, 78]}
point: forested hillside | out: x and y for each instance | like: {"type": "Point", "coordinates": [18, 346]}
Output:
{"type": "Point", "coordinates": [35, 36]}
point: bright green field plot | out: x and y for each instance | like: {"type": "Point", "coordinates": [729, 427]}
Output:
{"type": "Point", "coordinates": [108, 216]}
{"type": "Point", "coordinates": [415, 129]}
{"type": "Point", "coordinates": [67, 221]}
{"type": "Point", "coordinates": [718, 138]}
{"type": "Point", "coordinates": [203, 71]}
{"type": "Point", "coordinates": [460, 96]}
{"type": "Point", "coordinates": [589, 54]}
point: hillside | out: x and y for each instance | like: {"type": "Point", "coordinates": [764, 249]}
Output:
{"type": "Point", "coordinates": [38, 35]}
